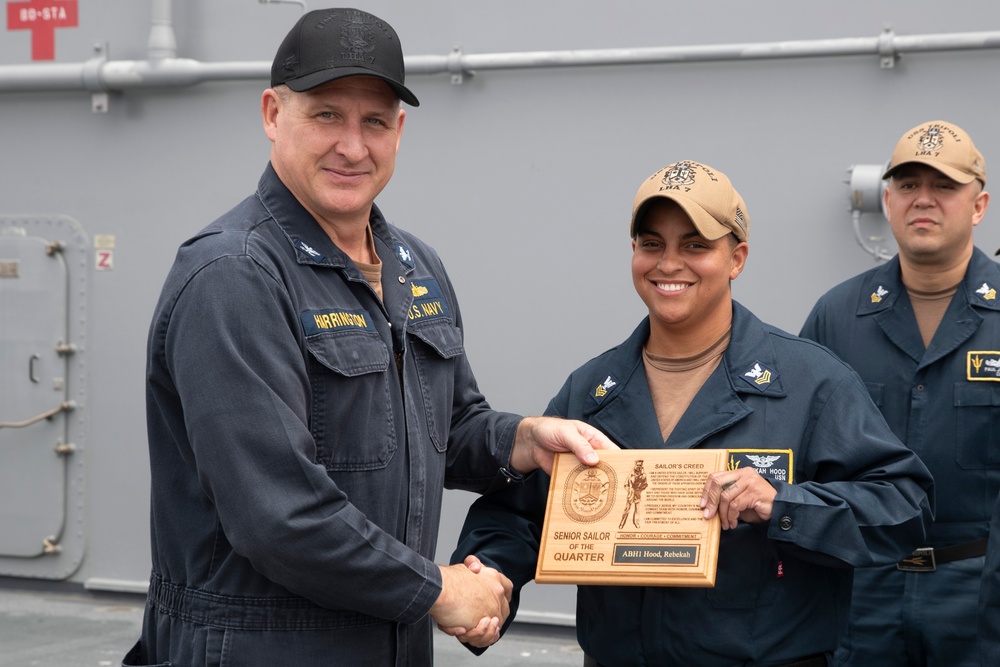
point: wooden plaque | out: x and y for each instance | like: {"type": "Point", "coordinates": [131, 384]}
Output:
{"type": "Point", "coordinates": [631, 520]}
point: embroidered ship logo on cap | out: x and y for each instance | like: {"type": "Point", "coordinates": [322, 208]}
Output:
{"type": "Point", "coordinates": [681, 174]}
{"type": "Point", "coordinates": [357, 37]}
{"type": "Point", "coordinates": [987, 292]}
{"type": "Point", "coordinates": [930, 140]}
{"type": "Point", "coordinates": [879, 294]}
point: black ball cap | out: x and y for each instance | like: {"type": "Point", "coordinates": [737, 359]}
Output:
{"type": "Point", "coordinates": [329, 44]}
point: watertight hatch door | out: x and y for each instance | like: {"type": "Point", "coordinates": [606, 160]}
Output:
{"type": "Point", "coordinates": [33, 394]}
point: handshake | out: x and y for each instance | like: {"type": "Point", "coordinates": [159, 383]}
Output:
{"type": "Point", "coordinates": [474, 602]}
{"type": "Point", "coordinates": [475, 599]}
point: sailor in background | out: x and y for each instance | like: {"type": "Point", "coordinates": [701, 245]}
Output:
{"type": "Point", "coordinates": [923, 331]}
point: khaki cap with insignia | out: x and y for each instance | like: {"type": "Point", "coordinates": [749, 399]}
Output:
{"type": "Point", "coordinates": [705, 194]}
{"type": "Point", "coordinates": [943, 146]}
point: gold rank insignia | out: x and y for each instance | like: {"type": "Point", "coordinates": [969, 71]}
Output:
{"type": "Point", "coordinates": [602, 389]}
{"type": "Point", "coordinates": [988, 293]}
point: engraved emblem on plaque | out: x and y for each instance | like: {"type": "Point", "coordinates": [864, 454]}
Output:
{"type": "Point", "coordinates": [590, 492]}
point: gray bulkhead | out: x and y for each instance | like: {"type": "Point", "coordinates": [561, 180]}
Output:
{"type": "Point", "coordinates": [537, 122]}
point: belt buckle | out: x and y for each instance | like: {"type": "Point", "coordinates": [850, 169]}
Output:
{"type": "Point", "coordinates": [921, 560]}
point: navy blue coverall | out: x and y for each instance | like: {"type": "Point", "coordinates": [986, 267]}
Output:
{"type": "Point", "coordinates": [301, 432]}
{"type": "Point", "coordinates": [857, 498]}
{"type": "Point", "coordinates": [943, 402]}
{"type": "Point", "coordinates": [989, 597]}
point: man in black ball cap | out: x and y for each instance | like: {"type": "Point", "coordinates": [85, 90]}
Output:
{"type": "Point", "coordinates": [309, 397]}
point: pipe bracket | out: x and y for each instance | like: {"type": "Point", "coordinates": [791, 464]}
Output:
{"type": "Point", "coordinates": [455, 68]}
{"type": "Point", "coordinates": [887, 49]}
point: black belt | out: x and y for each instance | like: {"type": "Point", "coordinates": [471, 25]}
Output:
{"type": "Point", "coordinates": [926, 559]}
{"type": "Point", "coordinates": [818, 660]}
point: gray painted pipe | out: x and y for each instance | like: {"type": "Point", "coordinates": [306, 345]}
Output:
{"type": "Point", "coordinates": [164, 71]}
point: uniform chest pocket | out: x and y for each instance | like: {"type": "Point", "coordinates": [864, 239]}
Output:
{"type": "Point", "coordinates": [977, 421]}
{"type": "Point", "coordinates": [876, 390]}
{"type": "Point", "coordinates": [744, 556]}
{"type": "Point", "coordinates": [352, 415]}
{"type": "Point", "coordinates": [437, 348]}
